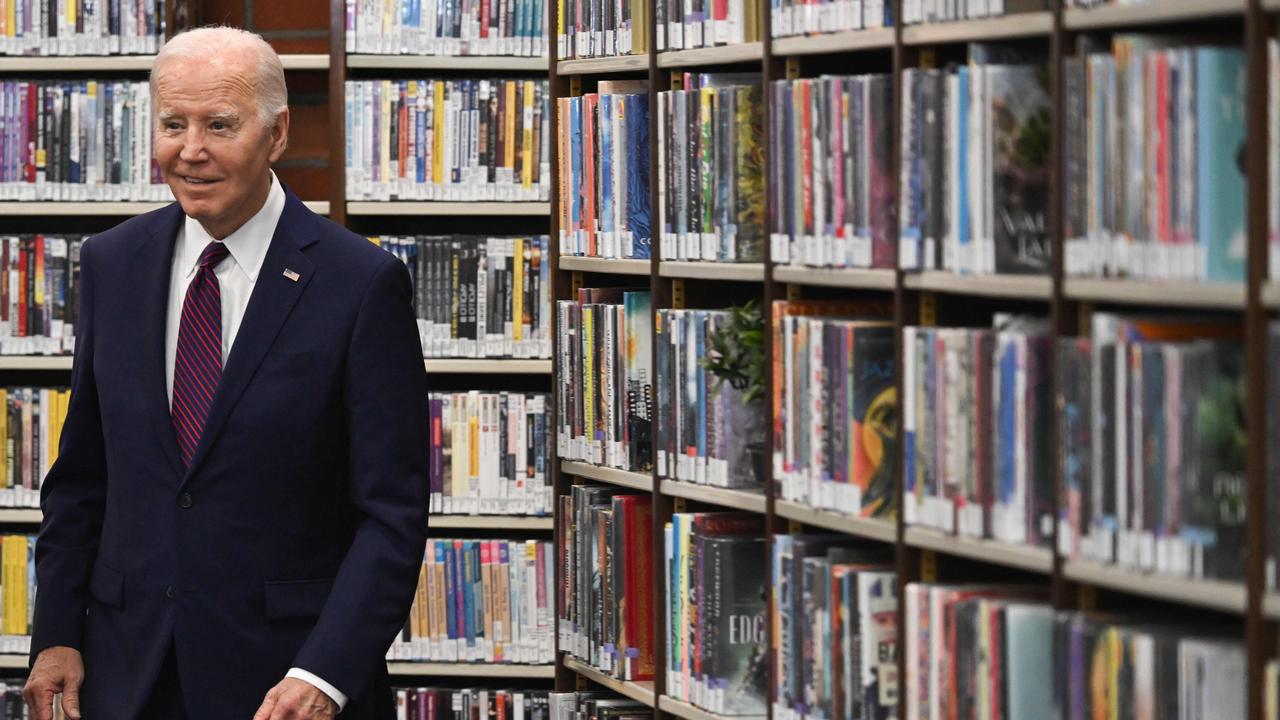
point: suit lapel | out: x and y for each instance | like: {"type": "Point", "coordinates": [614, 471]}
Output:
{"type": "Point", "coordinates": [152, 270]}
{"type": "Point", "coordinates": [273, 298]}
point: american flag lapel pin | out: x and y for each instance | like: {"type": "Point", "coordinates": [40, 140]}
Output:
{"type": "Point", "coordinates": [291, 275]}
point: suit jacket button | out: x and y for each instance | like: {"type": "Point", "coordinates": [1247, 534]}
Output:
{"type": "Point", "coordinates": [185, 501]}
{"type": "Point", "coordinates": [170, 592]}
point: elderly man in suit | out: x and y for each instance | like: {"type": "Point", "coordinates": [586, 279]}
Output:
{"type": "Point", "coordinates": [235, 522]}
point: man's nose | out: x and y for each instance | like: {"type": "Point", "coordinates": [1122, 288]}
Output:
{"type": "Point", "coordinates": [193, 149]}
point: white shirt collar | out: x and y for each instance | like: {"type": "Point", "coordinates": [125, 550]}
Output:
{"type": "Point", "coordinates": [247, 245]}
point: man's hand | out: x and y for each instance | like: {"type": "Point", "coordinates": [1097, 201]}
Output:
{"type": "Point", "coordinates": [295, 699]}
{"type": "Point", "coordinates": [58, 669]}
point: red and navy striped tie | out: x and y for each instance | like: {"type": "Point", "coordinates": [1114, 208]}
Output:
{"type": "Point", "coordinates": [198, 364]}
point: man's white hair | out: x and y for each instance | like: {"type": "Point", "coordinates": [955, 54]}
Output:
{"type": "Point", "coordinates": [213, 45]}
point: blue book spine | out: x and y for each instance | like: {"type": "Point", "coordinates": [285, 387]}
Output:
{"type": "Point", "coordinates": [1006, 413]}
{"type": "Point", "coordinates": [639, 217]}
{"type": "Point", "coordinates": [420, 175]}
{"type": "Point", "coordinates": [1220, 122]}
{"type": "Point", "coordinates": [445, 554]}
{"type": "Point", "coordinates": [962, 160]}
{"type": "Point", "coordinates": [575, 171]}
{"type": "Point", "coordinates": [605, 151]}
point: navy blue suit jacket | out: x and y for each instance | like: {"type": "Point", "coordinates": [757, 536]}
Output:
{"type": "Point", "coordinates": [296, 535]}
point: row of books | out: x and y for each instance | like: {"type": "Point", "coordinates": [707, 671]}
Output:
{"type": "Point", "coordinates": [603, 155]}
{"type": "Point", "coordinates": [1153, 139]}
{"type": "Point", "coordinates": [717, 656]}
{"type": "Point", "coordinates": [39, 293]}
{"type": "Point", "coordinates": [802, 17]}
{"type": "Point", "coordinates": [834, 408]}
{"type": "Point", "coordinates": [691, 24]}
{"type": "Point", "coordinates": [976, 413]}
{"type": "Point", "coordinates": [481, 601]}
{"type": "Point", "coordinates": [605, 391]}
{"type": "Point", "coordinates": [440, 703]}
{"type": "Point", "coordinates": [17, 592]}
{"type": "Point", "coordinates": [974, 173]}
{"type": "Point", "coordinates": [78, 140]}
{"type": "Point", "coordinates": [596, 705]}
{"type": "Point", "coordinates": [489, 453]}
{"type": "Point", "coordinates": [932, 11]}
{"type": "Point", "coordinates": [65, 27]}
{"type": "Point", "coordinates": [707, 433]}
{"type": "Point", "coordinates": [991, 651]}
{"type": "Point", "coordinates": [602, 28]}
{"type": "Point", "coordinates": [479, 296]}
{"type": "Point", "coordinates": [1152, 440]}
{"type": "Point", "coordinates": [606, 595]}
{"type": "Point", "coordinates": [835, 615]}
{"type": "Point", "coordinates": [710, 174]}
{"type": "Point", "coordinates": [14, 707]}
{"type": "Point", "coordinates": [446, 27]}
{"type": "Point", "coordinates": [831, 171]}
{"type": "Point", "coordinates": [450, 140]}
{"type": "Point", "coordinates": [31, 420]}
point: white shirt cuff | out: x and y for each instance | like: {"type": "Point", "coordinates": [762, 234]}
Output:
{"type": "Point", "coordinates": [324, 687]}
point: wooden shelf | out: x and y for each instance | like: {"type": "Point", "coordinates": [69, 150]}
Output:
{"type": "Point", "coordinates": [497, 670]}
{"type": "Point", "coordinates": [493, 366]}
{"type": "Point", "coordinates": [481, 522]}
{"type": "Point", "coordinates": [13, 662]}
{"type": "Point", "coordinates": [613, 476]}
{"type": "Point", "coordinates": [448, 208]}
{"type": "Point", "coordinates": [741, 272]}
{"type": "Point", "coordinates": [305, 62]}
{"type": "Point", "coordinates": [849, 41]}
{"type": "Point", "coordinates": [882, 530]}
{"type": "Point", "coordinates": [78, 208]}
{"type": "Point", "coordinates": [723, 55]}
{"type": "Point", "coordinates": [1136, 292]}
{"type": "Point", "coordinates": [23, 516]}
{"type": "Point", "coordinates": [1148, 13]}
{"type": "Point", "coordinates": [128, 63]}
{"type": "Point", "coordinates": [1034, 559]}
{"type": "Point", "coordinates": [1009, 26]}
{"type": "Point", "coordinates": [639, 691]}
{"type": "Point", "coordinates": [733, 499]}
{"type": "Point", "coordinates": [35, 362]}
{"type": "Point", "coordinates": [831, 277]}
{"type": "Point", "coordinates": [1271, 5]}
{"type": "Point", "coordinates": [1271, 605]}
{"type": "Point", "coordinates": [689, 712]}
{"type": "Point", "coordinates": [613, 266]}
{"type": "Point", "coordinates": [1271, 290]}
{"type": "Point", "coordinates": [1214, 594]}
{"type": "Point", "coordinates": [1021, 287]}
{"type": "Point", "coordinates": [603, 65]}
{"type": "Point", "coordinates": [499, 63]}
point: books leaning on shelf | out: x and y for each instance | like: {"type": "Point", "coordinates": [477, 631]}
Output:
{"type": "Point", "coordinates": [17, 592]}
{"type": "Point", "coordinates": [835, 615]}
{"type": "Point", "coordinates": [711, 177]}
{"type": "Point", "coordinates": [481, 601]}
{"type": "Point", "coordinates": [707, 433]}
{"type": "Point", "coordinates": [605, 391]}
{"type": "Point", "coordinates": [489, 453]}
{"type": "Point", "coordinates": [716, 645]}
{"type": "Point", "coordinates": [58, 27]}
{"type": "Point", "coordinates": [596, 705]}
{"type": "Point", "coordinates": [606, 603]}
{"type": "Point", "coordinates": [834, 408]}
{"type": "Point", "coordinates": [79, 140]}
{"type": "Point", "coordinates": [976, 413]}
{"type": "Point", "coordinates": [603, 155]}
{"type": "Point", "coordinates": [1153, 446]}
{"type": "Point", "coordinates": [799, 17]}
{"type": "Point", "coordinates": [452, 140]}
{"type": "Point", "coordinates": [602, 28]}
{"type": "Point", "coordinates": [435, 703]}
{"type": "Point", "coordinates": [999, 651]}
{"type": "Point", "coordinates": [39, 293]}
{"type": "Point", "coordinates": [440, 27]}
{"type": "Point", "coordinates": [932, 11]}
{"type": "Point", "coordinates": [31, 421]}
{"type": "Point", "coordinates": [831, 170]}
{"type": "Point", "coordinates": [975, 172]}
{"type": "Point", "coordinates": [692, 24]}
{"type": "Point", "coordinates": [479, 296]}
{"type": "Point", "coordinates": [1153, 140]}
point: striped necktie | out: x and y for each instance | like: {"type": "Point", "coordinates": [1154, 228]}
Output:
{"type": "Point", "coordinates": [198, 364]}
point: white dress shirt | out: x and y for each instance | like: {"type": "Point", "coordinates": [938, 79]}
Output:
{"type": "Point", "coordinates": [236, 277]}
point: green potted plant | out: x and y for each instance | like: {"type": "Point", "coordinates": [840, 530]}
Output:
{"type": "Point", "coordinates": [735, 356]}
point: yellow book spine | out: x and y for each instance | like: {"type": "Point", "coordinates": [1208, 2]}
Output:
{"type": "Point", "coordinates": [509, 153]}
{"type": "Point", "coordinates": [437, 137]}
{"type": "Point", "coordinates": [588, 378]}
{"type": "Point", "coordinates": [526, 146]}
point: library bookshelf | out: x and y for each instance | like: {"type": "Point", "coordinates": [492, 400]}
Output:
{"type": "Point", "coordinates": [930, 298]}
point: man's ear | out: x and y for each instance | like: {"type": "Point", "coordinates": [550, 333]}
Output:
{"type": "Point", "coordinates": [280, 135]}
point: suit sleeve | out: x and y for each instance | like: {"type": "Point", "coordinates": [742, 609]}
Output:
{"type": "Point", "coordinates": [386, 400]}
{"type": "Point", "coordinates": [72, 497]}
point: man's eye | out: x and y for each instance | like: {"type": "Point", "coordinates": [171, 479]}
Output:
{"type": "Point", "coordinates": [219, 126]}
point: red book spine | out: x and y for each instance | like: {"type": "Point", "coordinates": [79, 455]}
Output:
{"type": "Point", "coordinates": [484, 18]}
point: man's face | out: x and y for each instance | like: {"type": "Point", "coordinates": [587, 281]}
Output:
{"type": "Point", "coordinates": [211, 145]}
